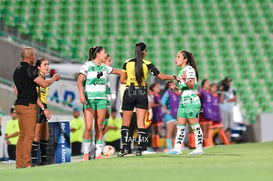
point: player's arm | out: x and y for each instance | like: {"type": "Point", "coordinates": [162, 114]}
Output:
{"type": "Point", "coordinates": [123, 77]}
{"type": "Point", "coordinates": [15, 90]}
{"type": "Point", "coordinates": [117, 71]}
{"type": "Point", "coordinates": [164, 100]}
{"type": "Point", "coordinates": [190, 83]}
{"type": "Point", "coordinates": [234, 99]}
{"type": "Point", "coordinates": [11, 136]}
{"type": "Point", "coordinates": [222, 98]}
{"type": "Point", "coordinates": [80, 88]}
{"type": "Point", "coordinates": [46, 83]}
{"type": "Point", "coordinates": [158, 74]}
{"type": "Point", "coordinates": [47, 113]}
{"type": "Point", "coordinates": [189, 78]}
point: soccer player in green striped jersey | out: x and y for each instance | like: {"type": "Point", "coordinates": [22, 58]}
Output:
{"type": "Point", "coordinates": [189, 106]}
{"type": "Point", "coordinates": [94, 95]}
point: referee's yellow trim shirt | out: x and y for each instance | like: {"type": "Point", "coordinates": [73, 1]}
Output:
{"type": "Point", "coordinates": [129, 68]}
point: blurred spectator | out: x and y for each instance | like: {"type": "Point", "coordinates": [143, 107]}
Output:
{"type": "Point", "coordinates": [206, 111]}
{"type": "Point", "coordinates": [170, 102]}
{"type": "Point", "coordinates": [216, 115]}
{"type": "Point", "coordinates": [113, 130]}
{"type": "Point", "coordinates": [157, 119]}
{"type": "Point", "coordinates": [230, 98]}
{"type": "Point", "coordinates": [76, 132]}
{"type": "Point", "coordinates": [12, 134]}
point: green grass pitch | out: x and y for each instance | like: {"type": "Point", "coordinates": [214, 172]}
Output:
{"type": "Point", "coordinates": [252, 161]}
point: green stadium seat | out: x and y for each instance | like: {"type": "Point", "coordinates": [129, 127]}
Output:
{"type": "Point", "coordinates": [229, 36]}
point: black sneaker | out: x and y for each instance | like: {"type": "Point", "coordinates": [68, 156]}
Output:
{"type": "Point", "coordinates": [138, 153]}
{"type": "Point", "coordinates": [122, 153]}
{"type": "Point", "coordinates": [43, 163]}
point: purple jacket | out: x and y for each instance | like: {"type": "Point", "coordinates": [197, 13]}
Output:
{"type": "Point", "coordinates": [206, 104]}
{"type": "Point", "coordinates": [216, 115]}
{"type": "Point", "coordinates": [157, 111]}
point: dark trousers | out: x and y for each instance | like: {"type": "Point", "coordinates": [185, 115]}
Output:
{"type": "Point", "coordinates": [76, 148]}
{"type": "Point", "coordinates": [12, 152]}
{"type": "Point", "coordinates": [115, 144]}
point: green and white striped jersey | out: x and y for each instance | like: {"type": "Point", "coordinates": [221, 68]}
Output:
{"type": "Point", "coordinates": [190, 73]}
{"type": "Point", "coordinates": [96, 78]}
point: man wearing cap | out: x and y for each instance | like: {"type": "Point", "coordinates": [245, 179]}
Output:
{"type": "Point", "coordinates": [12, 134]}
{"type": "Point", "coordinates": [76, 132]}
{"type": "Point", "coordinates": [25, 78]}
{"type": "Point", "coordinates": [230, 99]}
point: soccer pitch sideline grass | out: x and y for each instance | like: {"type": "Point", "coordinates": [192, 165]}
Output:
{"type": "Point", "coordinates": [252, 161]}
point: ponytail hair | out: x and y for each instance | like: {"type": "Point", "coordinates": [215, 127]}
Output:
{"type": "Point", "coordinates": [139, 48]}
{"type": "Point", "coordinates": [92, 52]}
{"type": "Point", "coordinates": [191, 61]}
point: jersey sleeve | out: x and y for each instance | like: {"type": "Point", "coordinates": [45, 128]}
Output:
{"type": "Point", "coordinates": [124, 67]}
{"type": "Point", "coordinates": [190, 73]}
{"type": "Point", "coordinates": [165, 99]}
{"type": "Point", "coordinates": [32, 72]}
{"type": "Point", "coordinates": [153, 69]}
{"type": "Point", "coordinates": [84, 69]}
{"type": "Point", "coordinates": [109, 69]}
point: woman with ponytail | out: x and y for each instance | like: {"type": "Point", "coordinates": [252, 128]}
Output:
{"type": "Point", "coordinates": [94, 73]}
{"type": "Point", "coordinates": [39, 144]}
{"type": "Point", "coordinates": [189, 106]}
{"type": "Point", "coordinates": [134, 75]}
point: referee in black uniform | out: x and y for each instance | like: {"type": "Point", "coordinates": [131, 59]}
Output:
{"type": "Point", "coordinates": [134, 75]}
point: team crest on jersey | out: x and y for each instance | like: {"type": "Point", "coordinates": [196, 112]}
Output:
{"type": "Point", "coordinates": [99, 74]}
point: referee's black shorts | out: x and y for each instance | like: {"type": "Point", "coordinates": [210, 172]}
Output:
{"type": "Point", "coordinates": [136, 97]}
{"type": "Point", "coordinates": [41, 116]}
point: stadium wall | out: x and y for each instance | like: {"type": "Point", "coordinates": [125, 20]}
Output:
{"type": "Point", "coordinates": [10, 57]}
{"type": "Point", "coordinates": [263, 127]}
{"type": "Point", "coordinates": [7, 97]}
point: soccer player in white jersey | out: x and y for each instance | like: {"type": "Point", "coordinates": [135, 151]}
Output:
{"type": "Point", "coordinates": [94, 72]}
{"type": "Point", "coordinates": [189, 106]}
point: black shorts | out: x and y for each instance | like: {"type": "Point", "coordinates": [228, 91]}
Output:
{"type": "Point", "coordinates": [136, 97]}
{"type": "Point", "coordinates": [41, 116]}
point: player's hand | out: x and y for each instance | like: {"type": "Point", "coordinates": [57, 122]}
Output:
{"type": "Point", "coordinates": [56, 77]}
{"type": "Point", "coordinates": [83, 100]}
{"type": "Point", "coordinates": [47, 113]}
{"type": "Point", "coordinates": [107, 115]}
{"type": "Point", "coordinates": [168, 112]}
{"type": "Point", "coordinates": [184, 76]}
